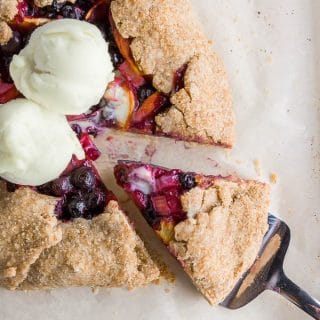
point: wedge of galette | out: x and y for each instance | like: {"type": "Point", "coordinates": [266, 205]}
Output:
{"type": "Point", "coordinates": [69, 232]}
{"type": "Point", "coordinates": [214, 226]}
{"type": "Point", "coordinates": [167, 80]}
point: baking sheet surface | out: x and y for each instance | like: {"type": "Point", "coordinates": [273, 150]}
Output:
{"type": "Point", "coordinates": [271, 50]}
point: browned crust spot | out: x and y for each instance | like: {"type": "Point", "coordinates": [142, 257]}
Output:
{"type": "Point", "coordinates": [223, 234]}
{"type": "Point", "coordinates": [165, 36]}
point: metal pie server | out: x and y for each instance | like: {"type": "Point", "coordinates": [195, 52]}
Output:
{"type": "Point", "coordinates": [267, 274]}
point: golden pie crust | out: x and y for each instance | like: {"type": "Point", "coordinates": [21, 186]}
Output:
{"type": "Point", "coordinates": [221, 238]}
{"type": "Point", "coordinates": [39, 252]}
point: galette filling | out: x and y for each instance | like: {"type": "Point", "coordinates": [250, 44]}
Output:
{"type": "Point", "coordinates": [157, 192]}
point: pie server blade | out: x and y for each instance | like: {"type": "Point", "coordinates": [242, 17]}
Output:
{"type": "Point", "coordinates": [267, 274]}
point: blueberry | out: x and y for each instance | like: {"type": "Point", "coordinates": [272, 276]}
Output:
{"type": "Point", "coordinates": [187, 180]}
{"type": "Point", "coordinates": [13, 46]}
{"type": "Point", "coordinates": [45, 188]}
{"type": "Point", "coordinates": [11, 187]}
{"type": "Point", "coordinates": [84, 4]}
{"type": "Point", "coordinates": [77, 208]}
{"type": "Point", "coordinates": [26, 39]}
{"type": "Point", "coordinates": [115, 55]}
{"type": "Point", "coordinates": [71, 12]}
{"type": "Point", "coordinates": [108, 33]}
{"type": "Point", "coordinates": [95, 201]}
{"type": "Point", "coordinates": [51, 11]}
{"type": "Point", "coordinates": [105, 30]}
{"type": "Point", "coordinates": [83, 178]}
{"type": "Point", "coordinates": [4, 69]}
{"type": "Point", "coordinates": [150, 214]}
{"type": "Point", "coordinates": [61, 186]}
{"type": "Point", "coordinates": [92, 131]}
{"type": "Point", "coordinates": [145, 92]}
{"type": "Point", "coordinates": [56, 6]}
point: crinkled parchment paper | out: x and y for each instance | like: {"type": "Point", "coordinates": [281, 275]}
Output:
{"type": "Point", "coordinates": [271, 49]}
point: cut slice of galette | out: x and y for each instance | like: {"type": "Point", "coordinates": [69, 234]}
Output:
{"type": "Point", "coordinates": [69, 232]}
{"type": "Point", "coordinates": [168, 80]}
{"type": "Point", "coordinates": [214, 226]}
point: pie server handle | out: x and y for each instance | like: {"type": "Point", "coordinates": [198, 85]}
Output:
{"type": "Point", "coordinates": [281, 284]}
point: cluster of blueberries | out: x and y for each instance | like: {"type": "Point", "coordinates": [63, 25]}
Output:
{"type": "Point", "coordinates": [82, 194]}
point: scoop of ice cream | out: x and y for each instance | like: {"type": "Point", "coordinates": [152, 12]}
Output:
{"type": "Point", "coordinates": [65, 67]}
{"type": "Point", "coordinates": [36, 144]}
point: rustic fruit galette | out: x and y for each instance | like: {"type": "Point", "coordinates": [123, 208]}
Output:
{"type": "Point", "coordinates": [214, 226]}
{"type": "Point", "coordinates": [70, 69]}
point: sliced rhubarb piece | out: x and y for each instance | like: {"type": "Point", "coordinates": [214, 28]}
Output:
{"type": "Point", "coordinates": [90, 149]}
{"type": "Point", "coordinates": [7, 92]}
{"type": "Point", "coordinates": [160, 204]}
{"type": "Point", "coordinates": [131, 75]}
{"type": "Point", "coordinates": [155, 191]}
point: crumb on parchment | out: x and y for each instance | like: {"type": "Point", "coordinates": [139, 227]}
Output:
{"type": "Point", "coordinates": [273, 178]}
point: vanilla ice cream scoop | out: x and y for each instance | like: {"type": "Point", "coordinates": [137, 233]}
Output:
{"type": "Point", "coordinates": [65, 67]}
{"type": "Point", "coordinates": [36, 145]}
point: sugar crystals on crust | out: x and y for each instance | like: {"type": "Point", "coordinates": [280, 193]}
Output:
{"type": "Point", "coordinates": [223, 234]}
{"type": "Point", "coordinates": [103, 252]}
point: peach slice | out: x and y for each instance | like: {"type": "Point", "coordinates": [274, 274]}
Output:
{"type": "Point", "coordinates": [120, 103]}
{"type": "Point", "coordinates": [150, 107]}
{"type": "Point", "coordinates": [166, 231]}
{"type": "Point", "coordinates": [124, 47]}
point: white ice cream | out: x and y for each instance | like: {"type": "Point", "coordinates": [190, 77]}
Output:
{"type": "Point", "coordinates": [36, 144]}
{"type": "Point", "coordinates": [65, 67]}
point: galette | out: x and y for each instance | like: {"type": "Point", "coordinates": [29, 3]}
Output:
{"type": "Point", "coordinates": [213, 225]}
{"type": "Point", "coordinates": [68, 71]}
